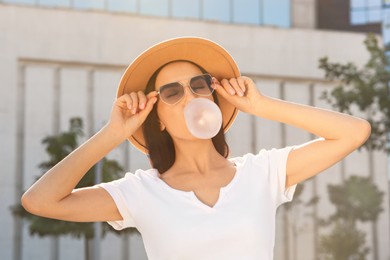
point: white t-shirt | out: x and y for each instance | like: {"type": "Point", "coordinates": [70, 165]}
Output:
{"type": "Point", "coordinates": [176, 225]}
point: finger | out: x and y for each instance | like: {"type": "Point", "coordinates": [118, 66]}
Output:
{"type": "Point", "coordinates": [152, 94]}
{"type": "Point", "coordinates": [148, 107]}
{"type": "Point", "coordinates": [134, 99]}
{"type": "Point", "coordinates": [124, 101]}
{"type": "Point", "coordinates": [234, 83]}
{"type": "Point", "coordinates": [220, 89]}
{"type": "Point", "coordinates": [141, 100]}
{"type": "Point", "coordinates": [226, 85]}
{"type": "Point", "coordinates": [241, 84]}
{"type": "Point", "coordinates": [215, 83]}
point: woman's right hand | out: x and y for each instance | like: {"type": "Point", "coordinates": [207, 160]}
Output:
{"type": "Point", "coordinates": [129, 111]}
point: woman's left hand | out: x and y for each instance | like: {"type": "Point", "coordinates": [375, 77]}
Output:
{"type": "Point", "coordinates": [240, 92]}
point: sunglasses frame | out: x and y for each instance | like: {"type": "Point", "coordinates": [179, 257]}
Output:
{"type": "Point", "coordinates": [188, 85]}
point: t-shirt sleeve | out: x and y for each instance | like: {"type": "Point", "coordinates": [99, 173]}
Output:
{"type": "Point", "coordinates": [277, 162]}
{"type": "Point", "coordinates": [123, 192]}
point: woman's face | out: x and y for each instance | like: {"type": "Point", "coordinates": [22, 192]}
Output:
{"type": "Point", "coordinates": [172, 116]}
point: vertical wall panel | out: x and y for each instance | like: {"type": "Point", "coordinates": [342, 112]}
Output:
{"type": "Point", "coordinates": [38, 125]}
{"type": "Point", "coordinates": [105, 87]}
{"type": "Point", "coordinates": [38, 119]}
{"type": "Point", "coordinates": [105, 84]}
{"type": "Point", "coordinates": [269, 131]}
{"type": "Point", "coordinates": [239, 135]}
{"type": "Point", "coordinates": [297, 93]}
{"type": "Point", "coordinates": [73, 96]}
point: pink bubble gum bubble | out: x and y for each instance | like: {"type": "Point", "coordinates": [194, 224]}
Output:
{"type": "Point", "coordinates": [203, 118]}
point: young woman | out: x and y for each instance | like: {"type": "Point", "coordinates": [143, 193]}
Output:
{"type": "Point", "coordinates": [194, 203]}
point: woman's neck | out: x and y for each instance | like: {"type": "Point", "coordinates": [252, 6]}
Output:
{"type": "Point", "coordinates": [197, 156]}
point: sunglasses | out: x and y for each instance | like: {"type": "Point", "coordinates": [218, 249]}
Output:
{"type": "Point", "coordinates": [172, 93]}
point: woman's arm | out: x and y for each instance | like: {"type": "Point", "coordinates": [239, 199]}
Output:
{"type": "Point", "coordinates": [54, 196]}
{"type": "Point", "coordinates": [340, 134]}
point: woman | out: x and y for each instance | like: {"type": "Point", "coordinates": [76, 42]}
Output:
{"type": "Point", "coordinates": [194, 203]}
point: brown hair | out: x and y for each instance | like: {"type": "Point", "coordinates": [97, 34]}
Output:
{"type": "Point", "coordinates": [162, 153]}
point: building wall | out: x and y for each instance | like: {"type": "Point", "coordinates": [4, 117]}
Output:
{"type": "Point", "coordinates": [59, 63]}
{"type": "Point", "coordinates": [304, 14]}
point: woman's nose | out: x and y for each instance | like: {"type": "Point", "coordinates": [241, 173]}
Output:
{"type": "Point", "coordinates": [188, 94]}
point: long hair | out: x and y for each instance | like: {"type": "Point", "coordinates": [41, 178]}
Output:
{"type": "Point", "coordinates": [162, 152]}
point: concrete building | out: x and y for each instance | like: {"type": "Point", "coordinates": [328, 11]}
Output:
{"type": "Point", "coordinates": [57, 62]}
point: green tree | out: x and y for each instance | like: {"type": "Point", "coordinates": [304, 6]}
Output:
{"type": "Point", "coordinates": [58, 147]}
{"type": "Point", "coordinates": [366, 90]}
{"type": "Point", "coordinates": [357, 199]}
{"type": "Point", "coordinates": [345, 242]}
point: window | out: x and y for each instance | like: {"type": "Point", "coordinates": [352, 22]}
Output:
{"type": "Point", "coordinates": [20, 1]}
{"type": "Point", "coordinates": [358, 17]}
{"type": "Point", "coordinates": [128, 6]}
{"type": "Point", "coordinates": [53, 3]}
{"type": "Point", "coordinates": [247, 12]}
{"type": "Point", "coordinates": [255, 12]}
{"type": "Point", "coordinates": [89, 4]}
{"type": "Point", "coordinates": [217, 10]}
{"type": "Point", "coordinates": [186, 8]}
{"type": "Point", "coordinates": [154, 7]}
{"type": "Point", "coordinates": [366, 11]}
{"type": "Point", "coordinates": [277, 12]}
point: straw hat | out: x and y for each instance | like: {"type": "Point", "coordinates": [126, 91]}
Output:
{"type": "Point", "coordinates": [207, 54]}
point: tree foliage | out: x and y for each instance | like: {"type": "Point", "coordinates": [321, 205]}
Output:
{"type": "Point", "coordinates": [356, 199]}
{"type": "Point", "coordinates": [57, 148]}
{"type": "Point", "coordinates": [345, 242]}
{"type": "Point", "coordinates": [365, 89]}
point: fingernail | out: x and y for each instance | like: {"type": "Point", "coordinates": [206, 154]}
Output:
{"type": "Point", "coordinates": [232, 92]}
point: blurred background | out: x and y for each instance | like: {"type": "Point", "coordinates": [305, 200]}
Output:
{"type": "Point", "coordinates": [61, 62]}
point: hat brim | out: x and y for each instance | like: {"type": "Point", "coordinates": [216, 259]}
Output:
{"type": "Point", "coordinates": [207, 54]}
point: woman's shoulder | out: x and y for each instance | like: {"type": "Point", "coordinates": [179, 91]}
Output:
{"type": "Point", "coordinates": [141, 175]}
{"type": "Point", "coordinates": [262, 154]}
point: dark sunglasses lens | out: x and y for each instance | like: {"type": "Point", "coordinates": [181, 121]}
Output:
{"type": "Point", "coordinates": [171, 93]}
{"type": "Point", "coordinates": [201, 85]}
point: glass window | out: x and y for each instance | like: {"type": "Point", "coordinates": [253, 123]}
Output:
{"type": "Point", "coordinates": [58, 3]}
{"type": "Point", "coordinates": [185, 8]}
{"type": "Point", "coordinates": [88, 4]}
{"type": "Point", "coordinates": [246, 11]}
{"type": "Point", "coordinates": [20, 1]}
{"type": "Point", "coordinates": [386, 27]}
{"type": "Point", "coordinates": [122, 6]}
{"type": "Point", "coordinates": [374, 3]}
{"type": "Point", "coordinates": [374, 15]}
{"type": "Point", "coordinates": [154, 7]}
{"type": "Point", "coordinates": [358, 3]}
{"type": "Point", "coordinates": [216, 10]}
{"type": "Point", "coordinates": [277, 12]}
{"type": "Point", "coordinates": [358, 17]}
